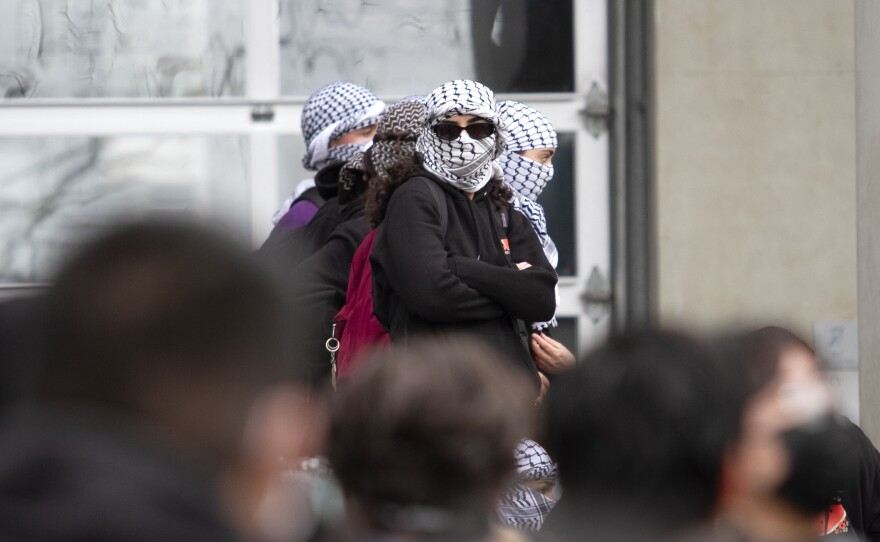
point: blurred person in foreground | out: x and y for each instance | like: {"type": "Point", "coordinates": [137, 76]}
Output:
{"type": "Point", "coordinates": [165, 406]}
{"type": "Point", "coordinates": [798, 470]}
{"type": "Point", "coordinates": [421, 440]}
{"type": "Point", "coordinates": [639, 429]}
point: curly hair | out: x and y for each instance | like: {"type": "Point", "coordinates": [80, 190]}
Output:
{"type": "Point", "coordinates": [382, 187]}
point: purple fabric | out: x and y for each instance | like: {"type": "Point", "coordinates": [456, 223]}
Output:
{"type": "Point", "coordinates": [300, 214]}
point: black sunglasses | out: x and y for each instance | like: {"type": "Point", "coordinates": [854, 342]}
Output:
{"type": "Point", "coordinates": [449, 131]}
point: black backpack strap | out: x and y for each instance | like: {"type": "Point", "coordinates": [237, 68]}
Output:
{"type": "Point", "coordinates": [501, 217]}
{"type": "Point", "coordinates": [311, 195]}
{"type": "Point", "coordinates": [440, 200]}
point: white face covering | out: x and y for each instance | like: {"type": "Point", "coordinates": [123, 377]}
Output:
{"type": "Point", "coordinates": [527, 177]}
{"type": "Point", "coordinates": [465, 163]}
{"type": "Point", "coordinates": [527, 129]}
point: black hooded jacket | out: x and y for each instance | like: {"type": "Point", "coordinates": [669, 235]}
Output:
{"type": "Point", "coordinates": [425, 280]}
{"type": "Point", "coordinates": [318, 289]}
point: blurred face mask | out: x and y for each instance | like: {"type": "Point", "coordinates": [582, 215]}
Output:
{"type": "Point", "coordinates": [816, 446]}
{"type": "Point", "coordinates": [818, 455]}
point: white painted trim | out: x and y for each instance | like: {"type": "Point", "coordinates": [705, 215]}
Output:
{"type": "Point", "coordinates": [262, 35]}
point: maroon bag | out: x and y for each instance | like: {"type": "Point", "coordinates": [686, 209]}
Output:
{"type": "Point", "coordinates": [355, 328]}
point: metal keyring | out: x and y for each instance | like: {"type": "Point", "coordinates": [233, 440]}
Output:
{"type": "Point", "coordinates": [332, 344]}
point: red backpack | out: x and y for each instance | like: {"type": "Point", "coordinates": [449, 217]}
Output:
{"type": "Point", "coordinates": [355, 327]}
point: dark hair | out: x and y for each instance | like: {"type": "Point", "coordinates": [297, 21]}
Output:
{"type": "Point", "coordinates": [432, 425]}
{"type": "Point", "coordinates": [381, 188]}
{"type": "Point", "coordinates": [168, 323]}
{"type": "Point", "coordinates": [752, 359]}
{"type": "Point", "coordinates": [639, 430]}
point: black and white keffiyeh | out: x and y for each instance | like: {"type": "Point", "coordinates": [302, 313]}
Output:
{"type": "Point", "coordinates": [521, 506]}
{"type": "Point", "coordinates": [465, 163]}
{"type": "Point", "coordinates": [533, 462]}
{"type": "Point", "coordinates": [332, 111]}
{"type": "Point", "coordinates": [396, 136]}
{"type": "Point", "coordinates": [527, 129]}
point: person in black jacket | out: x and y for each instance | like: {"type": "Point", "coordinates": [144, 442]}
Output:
{"type": "Point", "coordinates": [319, 284]}
{"type": "Point", "coordinates": [482, 270]}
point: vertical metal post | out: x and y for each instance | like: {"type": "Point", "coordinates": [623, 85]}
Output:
{"type": "Point", "coordinates": [867, 43]}
{"type": "Point", "coordinates": [633, 229]}
{"type": "Point", "coordinates": [263, 77]}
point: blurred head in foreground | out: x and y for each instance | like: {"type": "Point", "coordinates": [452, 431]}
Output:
{"type": "Point", "coordinates": [422, 439]}
{"type": "Point", "coordinates": [639, 429]}
{"type": "Point", "coordinates": [789, 465]}
{"type": "Point", "coordinates": [167, 351]}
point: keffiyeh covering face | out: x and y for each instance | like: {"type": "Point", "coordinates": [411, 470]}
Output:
{"type": "Point", "coordinates": [523, 507]}
{"type": "Point", "coordinates": [350, 176]}
{"type": "Point", "coordinates": [396, 136]}
{"type": "Point", "coordinates": [465, 163]}
{"type": "Point", "coordinates": [331, 112]}
{"type": "Point", "coordinates": [527, 129]}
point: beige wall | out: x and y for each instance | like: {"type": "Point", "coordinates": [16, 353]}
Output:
{"type": "Point", "coordinates": [756, 161]}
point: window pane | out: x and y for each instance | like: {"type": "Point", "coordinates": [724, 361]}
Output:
{"type": "Point", "coordinates": [54, 190]}
{"type": "Point", "coordinates": [412, 46]}
{"type": "Point", "coordinates": [558, 202]}
{"type": "Point", "coordinates": [121, 48]}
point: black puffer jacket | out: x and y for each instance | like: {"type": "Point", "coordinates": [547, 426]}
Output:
{"type": "Point", "coordinates": [460, 281]}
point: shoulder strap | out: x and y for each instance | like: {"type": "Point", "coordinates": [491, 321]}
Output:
{"type": "Point", "coordinates": [440, 200]}
{"type": "Point", "coordinates": [501, 217]}
{"type": "Point", "coordinates": [311, 195]}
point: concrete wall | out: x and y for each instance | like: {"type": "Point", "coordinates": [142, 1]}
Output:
{"type": "Point", "coordinates": [756, 191]}
{"type": "Point", "coordinates": [756, 161]}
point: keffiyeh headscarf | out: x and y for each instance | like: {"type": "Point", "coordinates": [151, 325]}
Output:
{"type": "Point", "coordinates": [332, 111]}
{"type": "Point", "coordinates": [350, 176]}
{"type": "Point", "coordinates": [523, 507]}
{"type": "Point", "coordinates": [527, 129]}
{"type": "Point", "coordinates": [465, 163]}
{"type": "Point", "coordinates": [396, 136]}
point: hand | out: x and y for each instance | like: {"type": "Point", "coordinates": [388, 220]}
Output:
{"type": "Point", "coordinates": [545, 386]}
{"type": "Point", "coordinates": [523, 265]}
{"type": "Point", "coordinates": [550, 355]}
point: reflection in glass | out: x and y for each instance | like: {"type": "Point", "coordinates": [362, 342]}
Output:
{"type": "Point", "coordinates": [55, 190]}
{"type": "Point", "coordinates": [558, 202]}
{"type": "Point", "coordinates": [401, 47]}
{"type": "Point", "coordinates": [121, 48]}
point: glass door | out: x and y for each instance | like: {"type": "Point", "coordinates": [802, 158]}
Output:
{"type": "Point", "coordinates": [110, 108]}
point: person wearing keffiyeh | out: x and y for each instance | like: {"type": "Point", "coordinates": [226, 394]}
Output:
{"type": "Point", "coordinates": [338, 121]}
{"type": "Point", "coordinates": [527, 162]}
{"type": "Point", "coordinates": [320, 282]}
{"type": "Point", "coordinates": [531, 497]}
{"type": "Point", "coordinates": [451, 255]}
